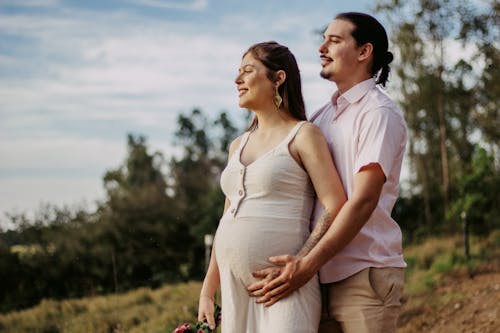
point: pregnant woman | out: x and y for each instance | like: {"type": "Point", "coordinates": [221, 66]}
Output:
{"type": "Point", "coordinates": [274, 171]}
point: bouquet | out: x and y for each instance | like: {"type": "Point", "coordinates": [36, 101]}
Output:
{"type": "Point", "coordinates": [200, 326]}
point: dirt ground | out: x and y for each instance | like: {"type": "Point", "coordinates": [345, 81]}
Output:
{"type": "Point", "coordinates": [460, 305]}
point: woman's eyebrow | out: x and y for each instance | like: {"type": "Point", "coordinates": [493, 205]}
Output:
{"type": "Point", "coordinates": [244, 66]}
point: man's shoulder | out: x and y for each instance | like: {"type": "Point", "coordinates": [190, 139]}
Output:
{"type": "Point", "coordinates": [316, 115]}
{"type": "Point", "coordinates": [377, 100]}
{"type": "Point", "coordinates": [378, 97]}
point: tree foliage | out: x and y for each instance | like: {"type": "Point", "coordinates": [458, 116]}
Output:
{"type": "Point", "coordinates": [473, 201]}
{"type": "Point", "coordinates": [447, 62]}
{"type": "Point", "coordinates": [195, 177]}
{"type": "Point", "coordinates": [148, 231]}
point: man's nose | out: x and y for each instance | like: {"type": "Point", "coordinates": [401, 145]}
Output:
{"type": "Point", "coordinates": [322, 48]}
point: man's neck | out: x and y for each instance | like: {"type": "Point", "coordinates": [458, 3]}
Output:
{"type": "Point", "coordinates": [348, 84]}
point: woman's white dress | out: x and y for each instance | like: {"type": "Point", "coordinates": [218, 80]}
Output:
{"type": "Point", "coordinates": [271, 202]}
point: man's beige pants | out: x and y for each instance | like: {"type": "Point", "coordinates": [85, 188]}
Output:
{"type": "Point", "coordinates": [367, 302]}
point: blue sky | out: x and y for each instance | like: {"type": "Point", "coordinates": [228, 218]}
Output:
{"type": "Point", "coordinates": [77, 76]}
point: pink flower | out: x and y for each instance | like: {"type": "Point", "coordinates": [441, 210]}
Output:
{"type": "Point", "coordinates": [182, 328]}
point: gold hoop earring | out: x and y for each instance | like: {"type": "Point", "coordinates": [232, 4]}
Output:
{"type": "Point", "coordinates": [277, 98]}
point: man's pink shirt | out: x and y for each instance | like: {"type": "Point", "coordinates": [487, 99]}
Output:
{"type": "Point", "coordinates": [363, 126]}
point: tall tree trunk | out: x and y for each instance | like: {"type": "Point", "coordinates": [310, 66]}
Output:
{"type": "Point", "coordinates": [442, 129]}
{"type": "Point", "coordinates": [425, 189]}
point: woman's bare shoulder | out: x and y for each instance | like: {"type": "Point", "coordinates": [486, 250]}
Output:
{"type": "Point", "coordinates": [309, 133]}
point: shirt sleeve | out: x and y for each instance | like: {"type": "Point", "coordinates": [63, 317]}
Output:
{"type": "Point", "coordinates": [381, 139]}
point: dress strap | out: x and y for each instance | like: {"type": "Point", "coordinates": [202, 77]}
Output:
{"type": "Point", "coordinates": [293, 132]}
{"type": "Point", "coordinates": [244, 140]}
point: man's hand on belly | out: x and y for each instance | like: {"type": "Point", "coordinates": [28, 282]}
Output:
{"type": "Point", "coordinates": [280, 281]}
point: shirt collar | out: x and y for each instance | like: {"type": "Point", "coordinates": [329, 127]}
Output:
{"type": "Point", "coordinates": [359, 91]}
{"type": "Point", "coordinates": [351, 96]}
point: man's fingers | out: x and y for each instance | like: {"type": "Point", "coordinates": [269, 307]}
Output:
{"type": "Point", "coordinates": [277, 294]}
{"type": "Point", "coordinates": [283, 259]}
{"type": "Point", "coordinates": [274, 283]}
{"type": "Point", "coordinates": [256, 286]}
{"type": "Point", "coordinates": [277, 291]}
{"type": "Point", "coordinates": [260, 274]}
{"type": "Point", "coordinates": [276, 299]}
{"type": "Point", "coordinates": [266, 275]}
{"type": "Point", "coordinates": [275, 287]}
{"type": "Point", "coordinates": [257, 293]}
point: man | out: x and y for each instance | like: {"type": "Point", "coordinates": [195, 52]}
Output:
{"type": "Point", "coordinates": [359, 258]}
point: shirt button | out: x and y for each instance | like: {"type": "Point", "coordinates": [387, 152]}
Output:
{"type": "Point", "coordinates": [232, 211]}
{"type": "Point", "coordinates": [241, 171]}
{"type": "Point", "coordinates": [240, 192]}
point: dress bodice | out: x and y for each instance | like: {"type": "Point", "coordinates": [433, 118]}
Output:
{"type": "Point", "coordinates": [274, 185]}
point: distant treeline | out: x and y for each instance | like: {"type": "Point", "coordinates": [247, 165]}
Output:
{"type": "Point", "coordinates": [149, 229]}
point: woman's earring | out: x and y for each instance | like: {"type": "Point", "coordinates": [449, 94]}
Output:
{"type": "Point", "coordinates": [277, 98]}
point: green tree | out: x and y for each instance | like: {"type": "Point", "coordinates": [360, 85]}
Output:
{"type": "Point", "coordinates": [195, 177]}
{"type": "Point", "coordinates": [10, 271]}
{"type": "Point", "coordinates": [148, 231]}
{"type": "Point", "coordinates": [444, 106]}
{"type": "Point", "coordinates": [141, 222]}
{"type": "Point", "coordinates": [44, 257]}
{"type": "Point", "coordinates": [483, 29]}
{"type": "Point", "coordinates": [475, 199]}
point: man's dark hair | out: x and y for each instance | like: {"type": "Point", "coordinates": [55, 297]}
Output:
{"type": "Point", "coordinates": [368, 30]}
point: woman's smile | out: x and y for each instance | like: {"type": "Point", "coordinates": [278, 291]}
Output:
{"type": "Point", "coordinates": [242, 91]}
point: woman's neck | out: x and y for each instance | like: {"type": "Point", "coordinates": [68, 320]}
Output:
{"type": "Point", "coordinates": [272, 119]}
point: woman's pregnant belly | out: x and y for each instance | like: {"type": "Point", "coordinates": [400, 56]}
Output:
{"type": "Point", "coordinates": [244, 245]}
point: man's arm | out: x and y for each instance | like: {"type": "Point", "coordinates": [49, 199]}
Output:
{"type": "Point", "coordinates": [352, 217]}
{"type": "Point", "coordinates": [289, 263]}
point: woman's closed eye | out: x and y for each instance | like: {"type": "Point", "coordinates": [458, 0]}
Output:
{"type": "Point", "coordinates": [246, 69]}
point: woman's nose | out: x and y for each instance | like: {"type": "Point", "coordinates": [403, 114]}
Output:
{"type": "Point", "coordinates": [238, 79]}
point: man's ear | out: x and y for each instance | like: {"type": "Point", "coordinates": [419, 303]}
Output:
{"type": "Point", "coordinates": [365, 51]}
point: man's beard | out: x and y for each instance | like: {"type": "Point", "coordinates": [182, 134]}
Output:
{"type": "Point", "coordinates": [325, 75]}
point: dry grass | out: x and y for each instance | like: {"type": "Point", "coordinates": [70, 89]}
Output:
{"type": "Point", "coordinates": [138, 311]}
{"type": "Point", "coordinates": [436, 259]}
{"type": "Point", "coordinates": [431, 265]}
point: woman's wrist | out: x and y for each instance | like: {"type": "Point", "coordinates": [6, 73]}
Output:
{"type": "Point", "coordinates": [208, 296]}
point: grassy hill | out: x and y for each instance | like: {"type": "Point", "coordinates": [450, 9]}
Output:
{"type": "Point", "coordinates": [440, 296]}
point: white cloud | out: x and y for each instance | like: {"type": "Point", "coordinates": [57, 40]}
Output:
{"type": "Point", "coordinates": [156, 62]}
{"type": "Point", "coordinates": [60, 153]}
{"type": "Point", "coordinates": [75, 82]}
{"type": "Point", "coordinates": [20, 195]}
{"type": "Point", "coordinates": [35, 26]}
{"type": "Point", "coordinates": [30, 3]}
{"type": "Point", "coordinates": [173, 4]}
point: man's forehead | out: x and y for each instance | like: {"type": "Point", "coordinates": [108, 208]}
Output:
{"type": "Point", "coordinates": [340, 28]}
